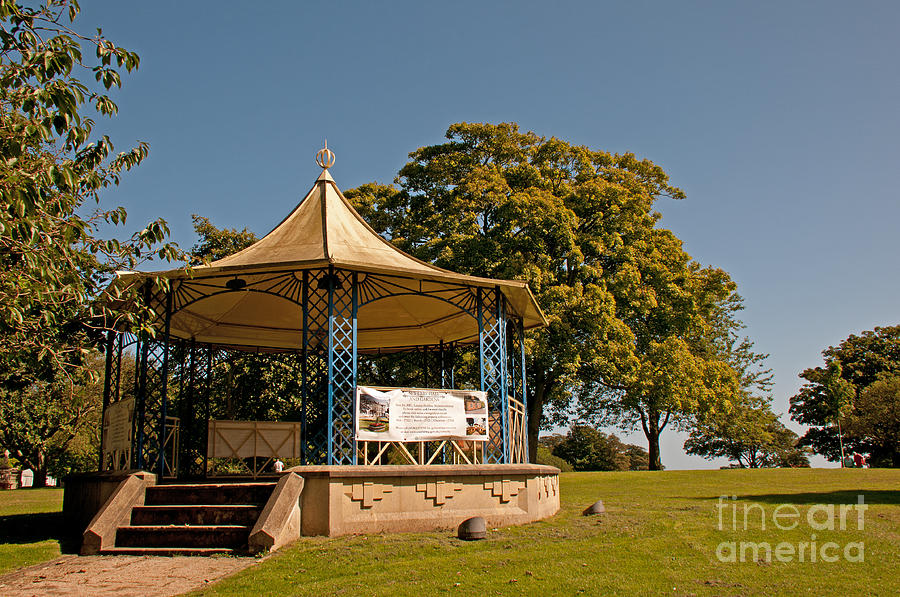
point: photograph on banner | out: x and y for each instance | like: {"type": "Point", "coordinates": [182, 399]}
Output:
{"type": "Point", "coordinates": [420, 414]}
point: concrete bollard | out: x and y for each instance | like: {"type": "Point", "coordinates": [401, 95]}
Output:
{"type": "Point", "coordinates": [595, 508]}
{"type": "Point", "coordinates": [472, 529]}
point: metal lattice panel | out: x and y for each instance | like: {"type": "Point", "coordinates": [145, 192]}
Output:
{"type": "Point", "coordinates": [120, 349]}
{"type": "Point", "coordinates": [152, 386]}
{"type": "Point", "coordinates": [518, 418]}
{"type": "Point", "coordinates": [192, 375]}
{"type": "Point", "coordinates": [149, 436]}
{"type": "Point", "coordinates": [492, 336]}
{"type": "Point", "coordinates": [314, 421]}
{"type": "Point", "coordinates": [515, 379]}
{"type": "Point", "coordinates": [342, 367]}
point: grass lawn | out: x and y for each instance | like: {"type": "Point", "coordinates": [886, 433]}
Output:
{"type": "Point", "coordinates": [30, 527]}
{"type": "Point", "coordinates": [660, 536]}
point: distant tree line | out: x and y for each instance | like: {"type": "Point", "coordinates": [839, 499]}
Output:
{"type": "Point", "coordinates": [585, 448]}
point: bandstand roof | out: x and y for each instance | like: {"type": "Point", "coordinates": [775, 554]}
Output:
{"type": "Point", "coordinates": [403, 301]}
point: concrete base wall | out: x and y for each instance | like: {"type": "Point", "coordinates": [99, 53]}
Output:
{"type": "Point", "coordinates": [341, 500]}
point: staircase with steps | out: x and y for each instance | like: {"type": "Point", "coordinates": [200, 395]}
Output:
{"type": "Point", "coordinates": [195, 519]}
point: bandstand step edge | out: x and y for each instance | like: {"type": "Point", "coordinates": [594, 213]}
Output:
{"type": "Point", "coordinates": [207, 494]}
{"type": "Point", "coordinates": [169, 551]}
{"type": "Point", "coordinates": [195, 514]}
{"type": "Point", "coordinates": [183, 536]}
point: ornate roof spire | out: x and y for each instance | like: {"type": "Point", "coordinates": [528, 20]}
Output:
{"type": "Point", "coordinates": [325, 157]}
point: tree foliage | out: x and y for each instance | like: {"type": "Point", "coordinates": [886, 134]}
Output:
{"type": "Point", "coordinates": [215, 243]}
{"type": "Point", "coordinates": [55, 266]}
{"type": "Point", "coordinates": [54, 263]}
{"type": "Point", "coordinates": [876, 417]}
{"type": "Point", "coordinates": [546, 456]}
{"type": "Point", "coordinates": [54, 427]}
{"type": "Point", "coordinates": [832, 395]}
{"type": "Point", "coordinates": [588, 449]}
{"type": "Point", "coordinates": [749, 434]}
{"type": "Point", "coordinates": [631, 314]}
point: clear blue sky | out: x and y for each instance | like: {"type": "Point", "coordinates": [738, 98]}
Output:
{"type": "Point", "coordinates": [778, 119]}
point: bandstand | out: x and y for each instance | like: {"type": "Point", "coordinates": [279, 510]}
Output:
{"type": "Point", "coordinates": [318, 293]}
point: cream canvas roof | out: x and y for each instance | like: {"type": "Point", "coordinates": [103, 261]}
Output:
{"type": "Point", "coordinates": [403, 301]}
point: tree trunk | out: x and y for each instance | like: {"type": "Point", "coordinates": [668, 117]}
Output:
{"type": "Point", "coordinates": [654, 463]}
{"type": "Point", "coordinates": [39, 468]}
{"type": "Point", "coordinates": [652, 429]}
{"type": "Point", "coordinates": [535, 412]}
{"type": "Point", "coordinates": [39, 479]}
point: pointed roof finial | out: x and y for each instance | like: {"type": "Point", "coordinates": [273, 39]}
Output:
{"type": "Point", "coordinates": [325, 157]}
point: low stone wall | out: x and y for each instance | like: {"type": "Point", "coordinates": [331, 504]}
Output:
{"type": "Point", "coordinates": [85, 494]}
{"type": "Point", "coordinates": [341, 500]}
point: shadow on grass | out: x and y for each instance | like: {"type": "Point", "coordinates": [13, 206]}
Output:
{"type": "Point", "coordinates": [870, 496]}
{"type": "Point", "coordinates": [32, 528]}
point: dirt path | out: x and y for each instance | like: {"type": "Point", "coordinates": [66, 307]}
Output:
{"type": "Point", "coordinates": [138, 576]}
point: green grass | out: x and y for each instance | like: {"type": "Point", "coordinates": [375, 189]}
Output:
{"type": "Point", "coordinates": [659, 536]}
{"type": "Point", "coordinates": [31, 528]}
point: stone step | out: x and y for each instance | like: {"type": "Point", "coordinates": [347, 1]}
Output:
{"type": "Point", "coordinates": [208, 494]}
{"type": "Point", "coordinates": [169, 551]}
{"type": "Point", "coordinates": [183, 536]}
{"type": "Point", "coordinates": [243, 514]}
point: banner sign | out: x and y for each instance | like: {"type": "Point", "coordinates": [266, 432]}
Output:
{"type": "Point", "coordinates": [420, 414]}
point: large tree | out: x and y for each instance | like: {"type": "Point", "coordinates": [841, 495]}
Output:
{"type": "Point", "coordinates": [831, 398]}
{"type": "Point", "coordinates": [54, 263]}
{"type": "Point", "coordinates": [630, 312]}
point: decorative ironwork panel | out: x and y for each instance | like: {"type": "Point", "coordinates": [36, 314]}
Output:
{"type": "Point", "coordinates": [152, 385]}
{"type": "Point", "coordinates": [150, 397]}
{"type": "Point", "coordinates": [492, 352]}
{"type": "Point", "coordinates": [435, 364]}
{"type": "Point", "coordinates": [374, 287]}
{"type": "Point", "coordinates": [285, 284]}
{"type": "Point", "coordinates": [314, 405]}
{"type": "Point", "coordinates": [120, 361]}
{"type": "Point", "coordinates": [518, 428]}
{"type": "Point", "coordinates": [190, 373]}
